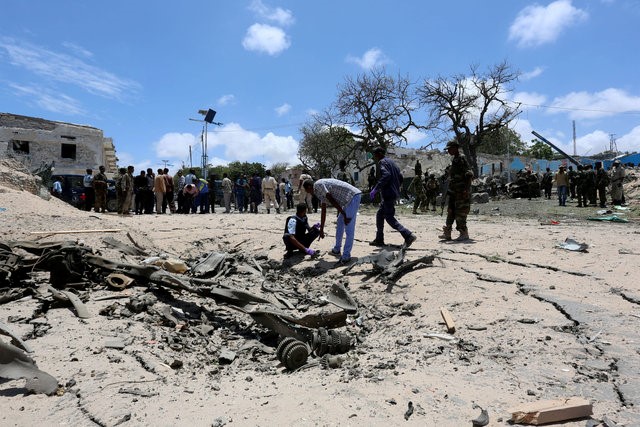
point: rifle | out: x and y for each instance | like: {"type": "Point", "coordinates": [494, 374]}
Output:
{"type": "Point", "coordinates": [445, 196]}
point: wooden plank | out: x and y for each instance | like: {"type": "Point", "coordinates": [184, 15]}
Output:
{"type": "Point", "coordinates": [448, 320]}
{"type": "Point", "coordinates": [551, 411]}
{"type": "Point", "coordinates": [106, 230]}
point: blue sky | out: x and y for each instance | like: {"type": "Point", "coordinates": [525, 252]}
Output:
{"type": "Point", "coordinates": [139, 70]}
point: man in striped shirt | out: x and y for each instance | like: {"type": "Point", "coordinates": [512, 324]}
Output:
{"type": "Point", "coordinates": [346, 199]}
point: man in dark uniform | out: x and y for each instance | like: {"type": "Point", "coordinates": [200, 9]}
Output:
{"type": "Point", "coordinates": [581, 187]}
{"type": "Point", "coordinates": [389, 186]}
{"type": "Point", "coordinates": [602, 182]}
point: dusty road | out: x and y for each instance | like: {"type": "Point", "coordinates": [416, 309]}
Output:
{"type": "Point", "coordinates": [534, 321]}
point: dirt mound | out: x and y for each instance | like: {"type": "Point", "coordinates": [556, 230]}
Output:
{"type": "Point", "coordinates": [15, 175]}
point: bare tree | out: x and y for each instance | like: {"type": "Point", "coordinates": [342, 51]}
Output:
{"type": "Point", "coordinates": [472, 107]}
{"type": "Point", "coordinates": [322, 148]}
{"type": "Point", "coordinates": [375, 109]}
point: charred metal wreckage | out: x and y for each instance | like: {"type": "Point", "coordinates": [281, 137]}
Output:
{"type": "Point", "coordinates": [74, 270]}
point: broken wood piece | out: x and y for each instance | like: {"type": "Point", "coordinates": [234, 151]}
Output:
{"type": "Point", "coordinates": [105, 230]}
{"type": "Point", "coordinates": [551, 411]}
{"type": "Point", "coordinates": [448, 320]}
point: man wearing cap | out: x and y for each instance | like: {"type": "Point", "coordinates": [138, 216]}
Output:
{"type": "Point", "coordinates": [459, 191]}
{"type": "Point", "coordinates": [389, 187]}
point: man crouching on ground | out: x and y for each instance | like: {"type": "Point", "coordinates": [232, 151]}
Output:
{"type": "Point", "coordinates": [346, 199]}
{"type": "Point", "coordinates": [297, 233]}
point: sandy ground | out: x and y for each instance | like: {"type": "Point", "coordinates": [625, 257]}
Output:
{"type": "Point", "coordinates": [534, 321]}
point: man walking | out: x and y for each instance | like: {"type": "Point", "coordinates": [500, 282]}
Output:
{"type": "Point", "coordinates": [346, 199]}
{"type": "Point", "coordinates": [389, 188]}
{"type": "Point", "coordinates": [459, 192]}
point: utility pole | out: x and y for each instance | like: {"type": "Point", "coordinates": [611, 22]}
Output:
{"type": "Point", "coordinates": [208, 118]}
{"type": "Point", "coordinates": [190, 158]}
{"type": "Point", "coordinates": [613, 147]}
{"type": "Point", "coordinates": [574, 139]}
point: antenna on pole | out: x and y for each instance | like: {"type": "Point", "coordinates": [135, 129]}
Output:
{"type": "Point", "coordinates": [574, 139]}
{"type": "Point", "coordinates": [613, 147]}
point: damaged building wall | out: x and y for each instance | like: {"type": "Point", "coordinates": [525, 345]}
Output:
{"type": "Point", "coordinates": [74, 148]}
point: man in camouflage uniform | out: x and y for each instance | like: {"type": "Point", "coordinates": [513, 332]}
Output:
{"type": "Point", "coordinates": [590, 182]}
{"type": "Point", "coordinates": [127, 190]}
{"type": "Point", "coordinates": [459, 192]}
{"type": "Point", "coordinates": [581, 187]}
{"type": "Point", "coordinates": [431, 189]}
{"type": "Point", "coordinates": [617, 178]}
{"type": "Point", "coordinates": [573, 177]}
{"type": "Point", "coordinates": [417, 189]}
{"type": "Point", "coordinates": [100, 190]}
{"type": "Point", "coordinates": [602, 182]}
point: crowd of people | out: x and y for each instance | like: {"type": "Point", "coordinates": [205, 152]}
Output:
{"type": "Point", "coordinates": [158, 192]}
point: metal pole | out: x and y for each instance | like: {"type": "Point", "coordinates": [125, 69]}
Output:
{"type": "Point", "coordinates": [204, 155]}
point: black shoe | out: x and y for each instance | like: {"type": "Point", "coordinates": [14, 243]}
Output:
{"type": "Point", "coordinates": [376, 242]}
{"type": "Point", "coordinates": [342, 262]}
{"type": "Point", "coordinates": [410, 239]}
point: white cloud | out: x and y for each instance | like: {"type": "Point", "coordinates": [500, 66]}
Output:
{"type": "Point", "coordinates": [226, 144]}
{"type": "Point", "coordinates": [529, 99]}
{"type": "Point", "coordinates": [267, 39]}
{"type": "Point", "coordinates": [226, 100]}
{"type": "Point", "coordinates": [537, 25]}
{"type": "Point", "coordinates": [592, 143]}
{"type": "Point", "coordinates": [629, 142]}
{"type": "Point", "coordinates": [531, 74]}
{"type": "Point", "coordinates": [175, 145]}
{"type": "Point", "coordinates": [125, 159]}
{"type": "Point", "coordinates": [523, 128]}
{"type": "Point", "coordinates": [243, 145]}
{"type": "Point", "coordinates": [585, 105]}
{"type": "Point", "coordinates": [283, 109]}
{"type": "Point", "coordinates": [65, 68]}
{"type": "Point", "coordinates": [281, 16]}
{"type": "Point", "coordinates": [415, 138]}
{"type": "Point", "coordinates": [370, 59]}
{"type": "Point", "coordinates": [49, 100]}
{"type": "Point", "coordinates": [77, 49]}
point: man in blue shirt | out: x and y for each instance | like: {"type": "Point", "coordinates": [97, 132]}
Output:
{"type": "Point", "coordinates": [389, 188]}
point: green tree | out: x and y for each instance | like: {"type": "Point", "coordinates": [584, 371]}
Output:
{"type": "Point", "coordinates": [503, 141]}
{"type": "Point", "coordinates": [539, 150]}
{"type": "Point", "coordinates": [278, 169]}
{"type": "Point", "coordinates": [236, 168]}
{"type": "Point", "coordinates": [322, 148]}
